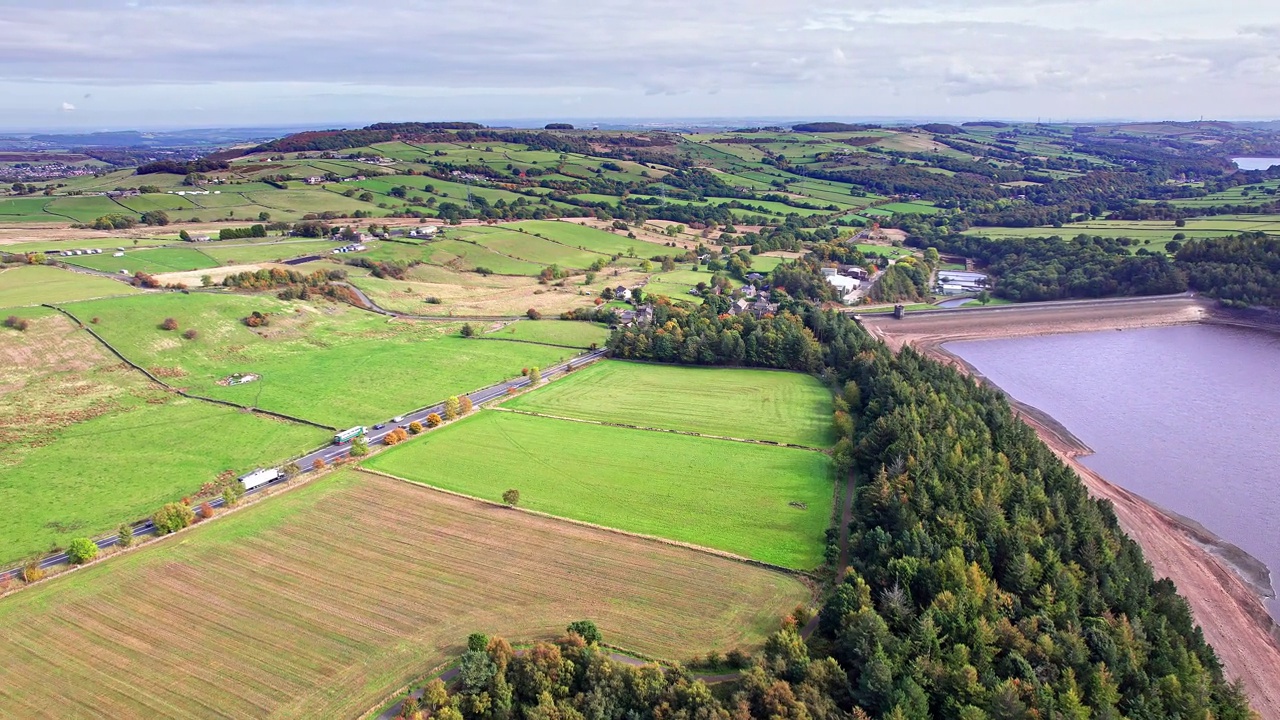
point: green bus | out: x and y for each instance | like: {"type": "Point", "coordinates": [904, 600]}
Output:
{"type": "Point", "coordinates": [348, 435]}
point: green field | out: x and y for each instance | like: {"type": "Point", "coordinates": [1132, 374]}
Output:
{"type": "Point", "coordinates": [749, 404]}
{"type": "Point", "coordinates": [153, 261]}
{"type": "Point", "coordinates": [588, 238]}
{"type": "Point", "coordinates": [237, 253]}
{"type": "Point", "coordinates": [531, 248]}
{"type": "Point", "coordinates": [677, 283]}
{"type": "Point", "coordinates": [463, 255]}
{"type": "Point", "coordinates": [88, 443]}
{"type": "Point", "coordinates": [35, 284]}
{"type": "Point", "coordinates": [731, 497]}
{"type": "Point", "coordinates": [331, 364]}
{"type": "Point", "coordinates": [555, 332]}
{"type": "Point", "coordinates": [1158, 231]}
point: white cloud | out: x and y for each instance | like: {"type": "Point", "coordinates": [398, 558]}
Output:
{"type": "Point", "coordinates": [264, 60]}
{"type": "Point", "coordinates": [68, 107]}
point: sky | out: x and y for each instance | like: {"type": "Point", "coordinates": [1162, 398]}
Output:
{"type": "Point", "coordinates": [154, 64]}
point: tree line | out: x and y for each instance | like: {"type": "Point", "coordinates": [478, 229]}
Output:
{"type": "Point", "coordinates": [985, 581]}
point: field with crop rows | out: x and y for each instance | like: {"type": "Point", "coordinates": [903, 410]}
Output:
{"type": "Point", "coordinates": [322, 601]}
{"type": "Point", "coordinates": [328, 363]}
{"type": "Point", "coordinates": [715, 493]}
{"type": "Point", "coordinates": [751, 404]}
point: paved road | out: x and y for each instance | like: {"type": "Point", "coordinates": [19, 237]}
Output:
{"type": "Point", "coordinates": [329, 453]}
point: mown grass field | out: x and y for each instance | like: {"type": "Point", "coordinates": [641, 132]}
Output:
{"type": "Point", "coordinates": [35, 284]}
{"type": "Point", "coordinates": [153, 261]}
{"type": "Point", "coordinates": [1158, 231]}
{"type": "Point", "coordinates": [86, 444]}
{"type": "Point", "coordinates": [240, 253]}
{"type": "Point", "coordinates": [716, 493]}
{"type": "Point", "coordinates": [328, 363]}
{"type": "Point", "coordinates": [750, 404]}
{"type": "Point", "coordinates": [320, 602]}
{"type": "Point", "coordinates": [589, 238]}
{"type": "Point", "coordinates": [555, 332]}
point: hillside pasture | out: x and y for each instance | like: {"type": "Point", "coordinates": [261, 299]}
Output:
{"type": "Point", "coordinates": [36, 284]}
{"type": "Point", "coordinates": [531, 248]}
{"type": "Point", "coordinates": [715, 493]}
{"type": "Point", "coordinates": [381, 581]}
{"type": "Point", "coordinates": [89, 443]}
{"type": "Point", "coordinates": [328, 363]}
{"type": "Point", "coordinates": [751, 404]}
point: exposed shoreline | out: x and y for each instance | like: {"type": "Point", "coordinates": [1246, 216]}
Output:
{"type": "Point", "coordinates": [1224, 585]}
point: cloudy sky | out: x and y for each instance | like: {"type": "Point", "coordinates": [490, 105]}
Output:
{"type": "Point", "coordinates": [100, 64]}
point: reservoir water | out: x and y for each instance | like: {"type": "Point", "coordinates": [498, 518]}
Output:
{"type": "Point", "coordinates": [1185, 416]}
{"type": "Point", "coordinates": [1255, 163]}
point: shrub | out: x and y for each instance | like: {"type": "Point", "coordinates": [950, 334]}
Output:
{"type": "Point", "coordinates": [735, 658]}
{"type": "Point", "coordinates": [190, 334]}
{"type": "Point", "coordinates": [96, 320]}
{"type": "Point", "coordinates": [533, 314]}
{"type": "Point", "coordinates": [511, 497]}
{"type": "Point", "coordinates": [256, 319]}
{"type": "Point", "coordinates": [17, 323]}
{"type": "Point", "coordinates": [32, 572]}
{"type": "Point", "coordinates": [206, 511]}
{"type": "Point", "coordinates": [81, 550]}
{"type": "Point", "coordinates": [415, 427]}
{"type": "Point", "coordinates": [124, 535]}
{"type": "Point", "coordinates": [433, 420]}
{"type": "Point", "coordinates": [319, 464]}
{"type": "Point", "coordinates": [169, 324]}
{"type": "Point", "coordinates": [172, 518]}
{"type": "Point", "coordinates": [468, 330]}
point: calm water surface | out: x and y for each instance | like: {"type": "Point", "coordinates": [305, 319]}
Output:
{"type": "Point", "coordinates": [1184, 416]}
{"type": "Point", "coordinates": [1255, 163]}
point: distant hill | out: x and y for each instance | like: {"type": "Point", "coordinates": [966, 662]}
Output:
{"type": "Point", "coordinates": [823, 127]}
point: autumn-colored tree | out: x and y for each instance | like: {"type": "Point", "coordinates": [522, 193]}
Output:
{"type": "Point", "coordinates": [533, 314]}
{"type": "Point", "coordinates": [190, 334]}
{"type": "Point", "coordinates": [206, 511]}
{"type": "Point", "coordinates": [433, 420]}
{"type": "Point", "coordinates": [451, 408]}
{"type": "Point", "coordinates": [535, 376]}
{"type": "Point", "coordinates": [415, 427]}
{"type": "Point", "coordinates": [172, 518]}
{"type": "Point", "coordinates": [511, 497]}
{"type": "Point", "coordinates": [169, 324]}
{"type": "Point", "coordinates": [31, 572]}
{"type": "Point", "coordinates": [464, 404]}
{"type": "Point", "coordinates": [319, 465]}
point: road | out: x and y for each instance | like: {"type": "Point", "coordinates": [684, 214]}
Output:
{"type": "Point", "coordinates": [330, 453]}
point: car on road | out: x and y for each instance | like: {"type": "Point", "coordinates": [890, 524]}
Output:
{"type": "Point", "coordinates": [398, 418]}
{"type": "Point", "coordinates": [379, 426]}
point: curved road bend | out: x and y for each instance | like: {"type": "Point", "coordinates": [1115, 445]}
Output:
{"type": "Point", "coordinates": [329, 453]}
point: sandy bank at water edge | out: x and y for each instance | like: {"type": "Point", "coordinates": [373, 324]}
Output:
{"type": "Point", "coordinates": [1227, 607]}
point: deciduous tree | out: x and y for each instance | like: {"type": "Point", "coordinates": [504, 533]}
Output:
{"type": "Point", "coordinates": [511, 497]}
{"type": "Point", "coordinates": [81, 550]}
{"type": "Point", "coordinates": [451, 408]}
{"type": "Point", "coordinates": [172, 518]}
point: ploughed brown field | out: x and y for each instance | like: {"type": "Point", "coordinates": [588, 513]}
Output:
{"type": "Point", "coordinates": [322, 601]}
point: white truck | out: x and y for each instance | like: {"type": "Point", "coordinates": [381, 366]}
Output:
{"type": "Point", "coordinates": [259, 477]}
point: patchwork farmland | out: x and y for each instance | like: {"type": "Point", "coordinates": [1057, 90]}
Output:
{"type": "Point", "coordinates": [380, 581]}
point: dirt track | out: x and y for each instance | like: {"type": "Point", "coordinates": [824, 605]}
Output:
{"type": "Point", "coordinates": [1227, 607]}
